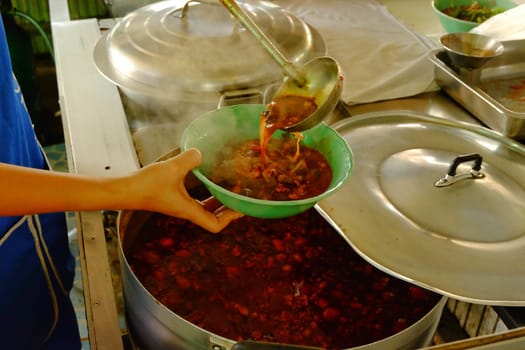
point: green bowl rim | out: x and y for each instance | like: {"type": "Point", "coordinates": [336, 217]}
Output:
{"type": "Point", "coordinates": [462, 21]}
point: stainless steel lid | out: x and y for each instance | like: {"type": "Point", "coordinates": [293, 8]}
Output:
{"type": "Point", "coordinates": [197, 46]}
{"type": "Point", "coordinates": [416, 210]}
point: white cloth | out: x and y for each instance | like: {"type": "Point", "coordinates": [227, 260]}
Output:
{"type": "Point", "coordinates": [509, 25]}
{"type": "Point", "coordinates": [380, 57]}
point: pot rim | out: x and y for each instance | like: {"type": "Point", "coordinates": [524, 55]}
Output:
{"type": "Point", "coordinates": [126, 216]}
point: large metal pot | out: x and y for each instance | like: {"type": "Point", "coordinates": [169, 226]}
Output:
{"type": "Point", "coordinates": [173, 60]}
{"type": "Point", "coordinates": [120, 8]}
{"type": "Point", "coordinates": [153, 326]}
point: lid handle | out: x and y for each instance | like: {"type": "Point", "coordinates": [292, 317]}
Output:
{"type": "Point", "coordinates": [451, 176]}
{"type": "Point", "coordinates": [184, 10]}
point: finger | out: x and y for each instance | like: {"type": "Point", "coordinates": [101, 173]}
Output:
{"type": "Point", "coordinates": [211, 221]}
{"type": "Point", "coordinates": [225, 217]}
{"type": "Point", "coordinates": [181, 165]}
{"type": "Point", "coordinates": [211, 204]}
{"type": "Point", "coordinates": [189, 159]}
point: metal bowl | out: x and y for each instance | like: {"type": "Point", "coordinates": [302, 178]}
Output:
{"type": "Point", "coordinates": [470, 50]}
{"type": "Point", "coordinates": [213, 130]}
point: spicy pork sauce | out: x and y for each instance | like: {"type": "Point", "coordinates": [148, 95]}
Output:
{"type": "Point", "coordinates": [275, 169]}
{"type": "Point", "coordinates": [292, 281]}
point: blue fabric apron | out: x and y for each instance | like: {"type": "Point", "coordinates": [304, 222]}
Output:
{"type": "Point", "coordinates": [36, 266]}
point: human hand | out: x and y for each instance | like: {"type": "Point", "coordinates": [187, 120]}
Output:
{"type": "Point", "coordinates": [161, 188]}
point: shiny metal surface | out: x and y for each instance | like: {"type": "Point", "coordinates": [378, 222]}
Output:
{"type": "Point", "coordinates": [501, 109]}
{"type": "Point", "coordinates": [196, 47]}
{"type": "Point", "coordinates": [463, 240]}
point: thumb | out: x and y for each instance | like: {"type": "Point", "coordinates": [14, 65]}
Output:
{"type": "Point", "coordinates": [189, 159]}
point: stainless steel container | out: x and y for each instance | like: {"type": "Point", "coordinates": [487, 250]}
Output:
{"type": "Point", "coordinates": [494, 93]}
{"type": "Point", "coordinates": [173, 60]}
{"type": "Point", "coordinates": [153, 326]}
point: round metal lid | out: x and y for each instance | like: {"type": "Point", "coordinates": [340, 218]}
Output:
{"type": "Point", "coordinates": [197, 46]}
{"type": "Point", "coordinates": [417, 211]}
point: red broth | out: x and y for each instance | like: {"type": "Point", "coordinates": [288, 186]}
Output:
{"type": "Point", "coordinates": [283, 111]}
{"type": "Point", "coordinates": [293, 281]}
{"type": "Point", "coordinates": [283, 174]}
{"type": "Point", "coordinates": [288, 110]}
{"type": "Point", "coordinates": [275, 169]}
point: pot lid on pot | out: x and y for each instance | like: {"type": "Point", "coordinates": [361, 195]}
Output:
{"type": "Point", "coordinates": [436, 202]}
{"type": "Point", "coordinates": [197, 46]}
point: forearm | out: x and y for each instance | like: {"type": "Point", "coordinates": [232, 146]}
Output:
{"type": "Point", "coordinates": [158, 187]}
{"type": "Point", "coordinates": [28, 191]}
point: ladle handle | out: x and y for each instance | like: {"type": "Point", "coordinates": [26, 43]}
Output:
{"type": "Point", "coordinates": [250, 25]}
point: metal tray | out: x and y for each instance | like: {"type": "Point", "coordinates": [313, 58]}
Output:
{"type": "Point", "coordinates": [494, 93]}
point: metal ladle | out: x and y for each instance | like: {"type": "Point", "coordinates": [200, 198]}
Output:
{"type": "Point", "coordinates": [319, 78]}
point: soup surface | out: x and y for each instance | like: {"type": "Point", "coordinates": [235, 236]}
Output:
{"type": "Point", "coordinates": [293, 281]}
{"type": "Point", "coordinates": [271, 168]}
{"type": "Point", "coordinates": [288, 171]}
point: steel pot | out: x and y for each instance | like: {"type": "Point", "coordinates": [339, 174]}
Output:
{"type": "Point", "coordinates": [153, 326]}
{"type": "Point", "coordinates": [120, 8]}
{"type": "Point", "coordinates": [173, 60]}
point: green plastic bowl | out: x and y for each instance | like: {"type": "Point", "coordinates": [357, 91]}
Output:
{"type": "Point", "coordinates": [454, 25]}
{"type": "Point", "coordinates": [212, 130]}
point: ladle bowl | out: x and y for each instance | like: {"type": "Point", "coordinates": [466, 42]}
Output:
{"type": "Point", "coordinates": [323, 82]}
{"type": "Point", "coordinates": [470, 50]}
{"type": "Point", "coordinates": [320, 78]}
